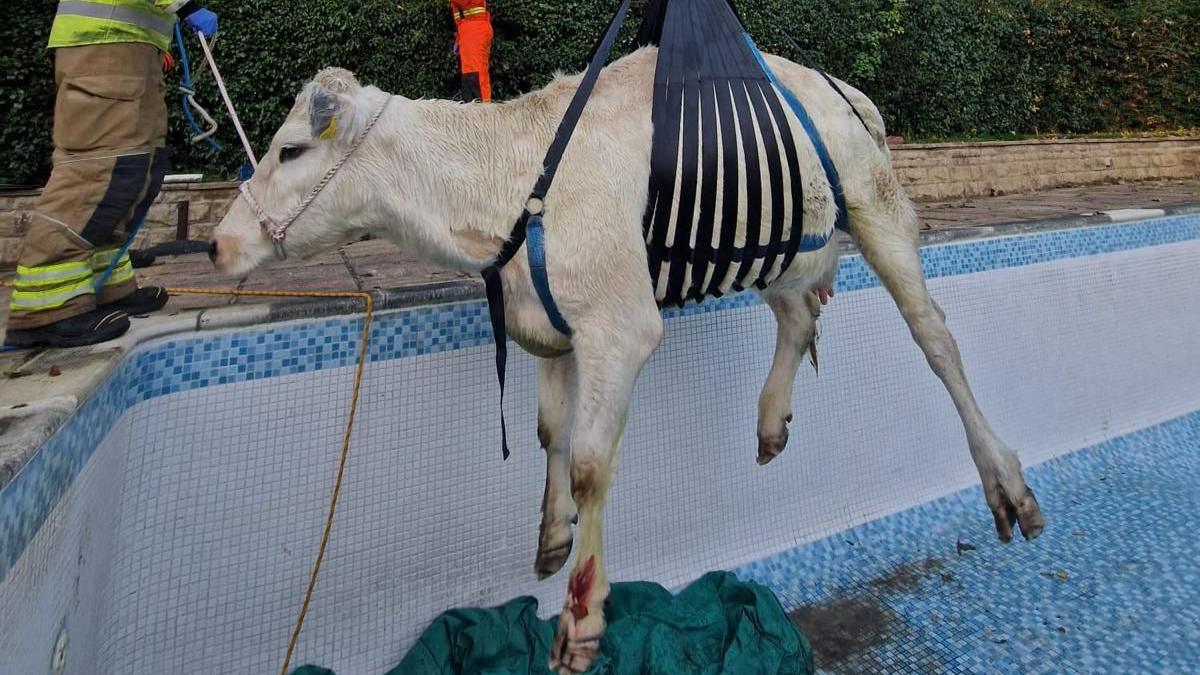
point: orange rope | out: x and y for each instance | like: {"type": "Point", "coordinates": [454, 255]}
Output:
{"type": "Point", "coordinates": [369, 303]}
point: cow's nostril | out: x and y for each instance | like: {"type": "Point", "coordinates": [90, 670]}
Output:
{"type": "Point", "coordinates": [212, 251]}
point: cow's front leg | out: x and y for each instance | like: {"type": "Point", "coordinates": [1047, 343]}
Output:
{"type": "Point", "coordinates": [796, 309]}
{"type": "Point", "coordinates": [608, 363]}
{"type": "Point", "coordinates": [556, 390]}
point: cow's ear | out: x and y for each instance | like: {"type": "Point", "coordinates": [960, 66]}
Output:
{"type": "Point", "coordinates": [330, 101]}
{"type": "Point", "coordinates": [324, 110]}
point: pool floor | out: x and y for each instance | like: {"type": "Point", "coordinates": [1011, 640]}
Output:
{"type": "Point", "coordinates": [1112, 586]}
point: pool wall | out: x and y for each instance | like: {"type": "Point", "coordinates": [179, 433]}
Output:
{"type": "Point", "coordinates": [171, 522]}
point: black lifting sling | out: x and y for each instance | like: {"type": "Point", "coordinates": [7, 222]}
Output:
{"type": "Point", "coordinates": [709, 78]}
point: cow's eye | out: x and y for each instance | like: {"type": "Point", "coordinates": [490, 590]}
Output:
{"type": "Point", "coordinates": [289, 152]}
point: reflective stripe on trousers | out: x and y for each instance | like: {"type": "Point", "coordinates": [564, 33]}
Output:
{"type": "Point", "coordinates": [51, 286]}
{"type": "Point", "coordinates": [121, 273]}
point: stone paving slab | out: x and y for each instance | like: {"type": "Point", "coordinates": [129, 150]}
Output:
{"type": "Point", "coordinates": [1055, 203]}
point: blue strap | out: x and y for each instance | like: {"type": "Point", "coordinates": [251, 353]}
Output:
{"type": "Point", "coordinates": [529, 226]}
{"type": "Point", "coordinates": [185, 77]}
{"type": "Point", "coordinates": [831, 173]}
{"type": "Point", "coordinates": [112, 264]}
{"type": "Point", "coordinates": [535, 242]}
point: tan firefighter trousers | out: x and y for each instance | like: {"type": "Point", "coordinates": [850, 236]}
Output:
{"type": "Point", "coordinates": [110, 127]}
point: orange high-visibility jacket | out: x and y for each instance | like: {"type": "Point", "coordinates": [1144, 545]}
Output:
{"type": "Point", "coordinates": [474, 41]}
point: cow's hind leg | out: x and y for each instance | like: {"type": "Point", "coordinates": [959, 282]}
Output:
{"type": "Point", "coordinates": [796, 309]}
{"type": "Point", "coordinates": [556, 390]}
{"type": "Point", "coordinates": [609, 356]}
{"type": "Point", "coordinates": [886, 233]}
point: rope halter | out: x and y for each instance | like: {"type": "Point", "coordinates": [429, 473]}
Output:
{"type": "Point", "coordinates": [276, 229]}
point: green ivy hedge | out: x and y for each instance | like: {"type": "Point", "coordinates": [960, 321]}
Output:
{"type": "Point", "coordinates": [934, 67]}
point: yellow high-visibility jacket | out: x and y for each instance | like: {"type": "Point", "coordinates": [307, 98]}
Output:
{"type": "Point", "coordinates": [96, 22]}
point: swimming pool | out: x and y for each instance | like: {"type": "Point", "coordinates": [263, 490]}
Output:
{"type": "Point", "coordinates": [170, 523]}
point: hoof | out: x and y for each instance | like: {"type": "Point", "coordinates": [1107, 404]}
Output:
{"type": "Point", "coordinates": [576, 642]}
{"type": "Point", "coordinates": [581, 624]}
{"type": "Point", "coordinates": [573, 655]}
{"type": "Point", "coordinates": [770, 447]}
{"type": "Point", "coordinates": [1026, 515]}
{"type": "Point", "coordinates": [551, 559]}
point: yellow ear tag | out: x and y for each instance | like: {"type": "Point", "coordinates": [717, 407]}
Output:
{"type": "Point", "coordinates": [331, 130]}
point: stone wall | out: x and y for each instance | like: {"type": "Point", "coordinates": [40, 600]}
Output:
{"type": "Point", "coordinates": [930, 172]}
{"type": "Point", "coordinates": [205, 204]}
{"type": "Point", "coordinates": [948, 171]}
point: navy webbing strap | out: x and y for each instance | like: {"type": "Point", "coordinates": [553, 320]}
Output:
{"type": "Point", "coordinates": [796, 188]}
{"type": "Point", "coordinates": [831, 172]}
{"type": "Point", "coordinates": [703, 252]}
{"type": "Point", "coordinates": [689, 140]}
{"type": "Point", "coordinates": [535, 237]}
{"type": "Point", "coordinates": [774, 180]}
{"type": "Point", "coordinates": [529, 224]}
{"type": "Point", "coordinates": [668, 95]}
{"type": "Point", "coordinates": [713, 105]}
{"type": "Point", "coordinates": [748, 127]}
{"type": "Point", "coordinates": [495, 300]}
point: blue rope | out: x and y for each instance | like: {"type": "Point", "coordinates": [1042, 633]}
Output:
{"type": "Point", "coordinates": [186, 78]}
{"type": "Point", "coordinates": [112, 265]}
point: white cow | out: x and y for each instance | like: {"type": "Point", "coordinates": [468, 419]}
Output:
{"type": "Point", "coordinates": [447, 180]}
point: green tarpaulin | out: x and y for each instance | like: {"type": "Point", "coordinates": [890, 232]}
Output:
{"type": "Point", "coordinates": [716, 625]}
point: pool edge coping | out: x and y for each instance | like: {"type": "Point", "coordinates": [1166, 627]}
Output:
{"type": "Point", "coordinates": [26, 426]}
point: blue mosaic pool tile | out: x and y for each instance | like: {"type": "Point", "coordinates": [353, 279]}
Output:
{"type": "Point", "coordinates": [203, 360]}
{"type": "Point", "coordinates": [1065, 603]}
{"type": "Point", "coordinates": [27, 500]}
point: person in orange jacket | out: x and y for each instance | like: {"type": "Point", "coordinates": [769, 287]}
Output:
{"type": "Point", "coordinates": [474, 45]}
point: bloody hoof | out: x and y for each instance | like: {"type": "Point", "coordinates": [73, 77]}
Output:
{"type": "Point", "coordinates": [1026, 515]}
{"type": "Point", "coordinates": [581, 624]}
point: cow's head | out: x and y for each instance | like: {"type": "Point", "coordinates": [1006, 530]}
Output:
{"type": "Point", "coordinates": [325, 123]}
